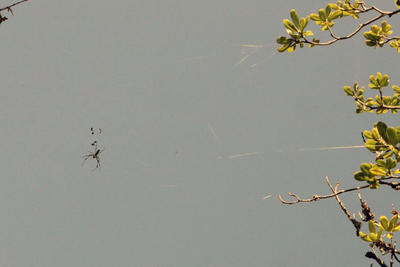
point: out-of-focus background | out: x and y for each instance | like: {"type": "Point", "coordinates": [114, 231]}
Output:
{"type": "Point", "coordinates": [201, 119]}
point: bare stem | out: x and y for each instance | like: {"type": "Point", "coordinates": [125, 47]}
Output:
{"type": "Point", "coordinates": [351, 218]}
{"type": "Point", "coordinates": [10, 6]}
{"type": "Point", "coordinates": [297, 199]}
{"type": "Point", "coordinates": [318, 197]}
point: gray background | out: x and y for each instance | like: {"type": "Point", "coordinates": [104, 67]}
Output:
{"type": "Point", "coordinates": [165, 82]}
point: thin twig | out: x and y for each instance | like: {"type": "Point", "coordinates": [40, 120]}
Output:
{"type": "Point", "coordinates": [318, 197]}
{"type": "Point", "coordinates": [359, 28]}
{"type": "Point", "coordinates": [368, 108]}
{"type": "Point", "coordinates": [353, 220]}
{"type": "Point", "coordinates": [10, 6]}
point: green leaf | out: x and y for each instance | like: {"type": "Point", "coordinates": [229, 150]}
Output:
{"type": "Point", "coordinates": [375, 134]}
{"type": "Point", "coordinates": [381, 163]}
{"type": "Point", "coordinates": [373, 236]}
{"type": "Point", "coordinates": [393, 222]}
{"type": "Point", "coordinates": [303, 23]}
{"type": "Point", "coordinates": [291, 48]}
{"type": "Point", "coordinates": [359, 176]}
{"type": "Point", "coordinates": [328, 10]}
{"type": "Point", "coordinates": [393, 44]}
{"type": "Point", "coordinates": [282, 40]}
{"type": "Point", "coordinates": [382, 130]}
{"type": "Point", "coordinates": [364, 167]}
{"type": "Point", "coordinates": [348, 90]}
{"type": "Point", "coordinates": [392, 136]}
{"type": "Point", "coordinates": [314, 17]}
{"type": "Point", "coordinates": [333, 6]}
{"type": "Point", "coordinates": [367, 134]}
{"type": "Point", "coordinates": [370, 43]}
{"type": "Point", "coordinates": [385, 81]}
{"type": "Point", "coordinates": [396, 88]}
{"type": "Point", "coordinates": [322, 15]}
{"type": "Point", "coordinates": [335, 15]}
{"type": "Point", "coordinates": [283, 48]}
{"type": "Point", "coordinates": [295, 18]}
{"type": "Point", "coordinates": [390, 164]}
{"type": "Point", "coordinates": [369, 35]}
{"type": "Point", "coordinates": [379, 233]}
{"type": "Point", "coordinates": [373, 183]}
{"type": "Point", "coordinates": [384, 222]}
{"type": "Point", "coordinates": [371, 226]}
{"type": "Point", "coordinates": [365, 237]}
{"type": "Point", "coordinates": [378, 171]}
{"type": "Point", "coordinates": [307, 33]}
{"type": "Point", "coordinates": [372, 79]}
{"type": "Point", "coordinates": [289, 25]}
{"type": "Point", "coordinates": [375, 28]}
{"type": "Point", "coordinates": [371, 145]}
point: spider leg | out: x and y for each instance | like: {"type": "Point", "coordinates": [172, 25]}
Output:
{"type": "Point", "coordinates": [97, 163]}
{"type": "Point", "coordinates": [94, 155]}
{"type": "Point", "coordinates": [85, 158]}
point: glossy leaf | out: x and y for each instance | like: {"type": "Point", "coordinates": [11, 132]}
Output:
{"type": "Point", "coordinates": [378, 171]}
{"type": "Point", "coordinates": [359, 176]}
{"type": "Point", "coordinates": [295, 18]}
{"type": "Point", "coordinates": [392, 136]}
{"type": "Point", "coordinates": [381, 126]}
{"type": "Point", "coordinates": [349, 91]}
{"type": "Point", "coordinates": [393, 222]}
{"type": "Point", "coordinates": [384, 222]}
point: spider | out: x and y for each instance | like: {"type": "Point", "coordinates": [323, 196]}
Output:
{"type": "Point", "coordinates": [94, 155]}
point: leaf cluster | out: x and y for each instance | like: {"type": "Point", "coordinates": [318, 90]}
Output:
{"type": "Point", "coordinates": [377, 36]}
{"type": "Point", "coordinates": [295, 30]}
{"type": "Point", "coordinates": [382, 140]}
{"type": "Point", "coordinates": [325, 17]}
{"type": "Point", "coordinates": [384, 224]}
{"type": "Point", "coordinates": [380, 103]}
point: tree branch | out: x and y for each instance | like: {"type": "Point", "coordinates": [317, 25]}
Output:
{"type": "Point", "coordinates": [8, 8]}
{"type": "Point", "coordinates": [374, 256]}
{"type": "Point", "coordinates": [359, 28]}
{"type": "Point", "coordinates": [351, 218]}
{"type": "Point", "coordinates": [394, 185]}
{"type": "Point", "coordinates": [318, 197]}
